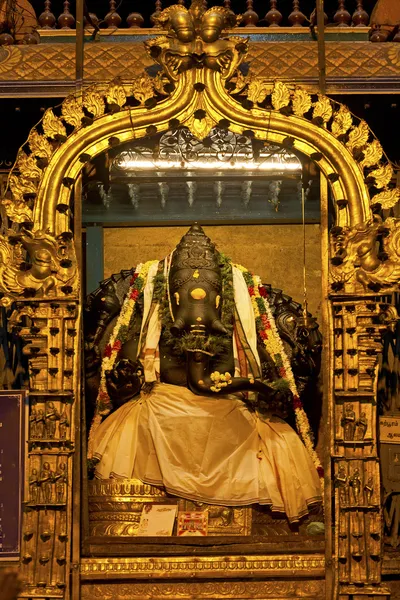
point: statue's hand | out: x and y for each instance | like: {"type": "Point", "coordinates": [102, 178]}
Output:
{"type": "Point", "coordinates": [123, 381]}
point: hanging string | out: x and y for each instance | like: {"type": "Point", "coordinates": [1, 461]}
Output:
{"type": "Point", "coordinates": [304, 194]}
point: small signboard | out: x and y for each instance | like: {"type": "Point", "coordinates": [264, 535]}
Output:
{"type": "Point", "coordinates": [12, 453]}
{"type": "Point", "coordinates": [157, 519]}
{"type": "Point", "coordinates": [389, 429]}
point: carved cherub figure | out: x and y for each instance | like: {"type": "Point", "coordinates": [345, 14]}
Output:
{"type": "Point", "coordinates": [60, 480]}
{"type": "Point", "coordinates": [34, 486]}
{"type": "Point", "coordinates": [40, 424]}
{"type": "Point", "coordinates": [348, 422]}
{"type": "Point", "coordinates": [342, 485]}
{"type": "Point", "coordinates": [361, 427]}
{"type": "Point", "coordinates": [46, 483]}
{"type": "Point", "coordinates": [51, 418]}
{"type": "Point", "coordinates": [33, 424]}
{"type": "Point", "coordinates": [355, 486]}
{"type": "Point", "coordinates": [63, 425]}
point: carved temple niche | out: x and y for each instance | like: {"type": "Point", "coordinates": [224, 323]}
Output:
{"type": "Point", "coordinates": [40, 278]}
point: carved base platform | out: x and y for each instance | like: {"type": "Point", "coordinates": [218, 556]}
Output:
{"type": "Point", "coordinates": [227, 590]}
{"type": "Point", "coordinates": [115, 508]}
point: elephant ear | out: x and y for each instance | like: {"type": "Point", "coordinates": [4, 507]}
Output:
{"type": "Point", "coordinates": [288, 316]}
{"type": "Point", "coordinates": [101, 311]}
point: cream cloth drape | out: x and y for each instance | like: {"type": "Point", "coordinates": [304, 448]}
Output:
{"type": "Point", "coordinates": [213, 450]}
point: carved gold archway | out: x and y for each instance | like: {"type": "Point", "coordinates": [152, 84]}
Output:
{"type": "Point", "coordinates": [200, 86]}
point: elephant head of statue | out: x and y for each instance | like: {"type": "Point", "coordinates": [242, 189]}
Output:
{"type": "Point", "coordinates": [195, 285]}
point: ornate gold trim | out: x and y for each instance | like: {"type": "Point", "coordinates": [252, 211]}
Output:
{"type": "Point", "coordinates": [229, 590]}
{"type": "Point", "coordinates": [178, 567]}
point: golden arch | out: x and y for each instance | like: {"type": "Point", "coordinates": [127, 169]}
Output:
{"type": "Point", "coordinates": [270, 125]}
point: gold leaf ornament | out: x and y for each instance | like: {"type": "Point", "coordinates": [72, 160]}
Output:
{"type": "Point", "coordinates": [72, 111]}
{"type": "Point", "coordinates": [15, 187]}
{"type": "Point", "coordinates": [94, 103]}
{"type": "Point", "coordinates": [20, 186]}
{"type": "Point", "coordinates": [372, 154]}
{"type": "Point", "coordinates": [143, 88]}
{"type": "Point", "coordinates": [342, 121]}
{"type": "Point", "coordinates": [53, 127]}
{"type": "Point", "coordinates": [258, 90]}
{"type": "Point", "coordinates": [388, 198]}
{"type": "Point", "coordinates": [280, 95]}
{"type": "Point", "coordinates": [358, 136]}
{"type": "Point", "coordinates": [301, 102]}
{"type": "Point", "coordinates": [116, 94]}
{"type": "Point", "coordinates": [27, 166]}
{"type": "Point", "coordinates": [382, 175]}
{"type": "Point", "coordinates": [159, 81]}
{"type": "Point", "coordinates": [322, 109]}
{"type": "Point", "coordinates": [200, 127]}
{"type": "Point", "coordinates": [39, 144]}
{"type": "Point", "coordinates": [17, 211]}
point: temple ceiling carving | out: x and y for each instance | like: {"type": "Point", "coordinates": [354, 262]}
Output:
{"type": "Point", "coordinates": [283, 60]}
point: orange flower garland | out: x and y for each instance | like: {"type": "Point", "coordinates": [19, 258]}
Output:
{"type": "Point", "coordinates": [267, 330]}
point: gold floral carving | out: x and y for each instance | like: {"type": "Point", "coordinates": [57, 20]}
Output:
{"type": "Point", "coordinates": [116, 94]}
{"type": "Point", "coordinates": [27, 166]}
{"type": "Point", "coordinates": [358, 136]}
{"type": "Point", "coordinates": [322, 109]}
{"type": "Point", "coordinates": [372, 154]}
{"type": "Point", "coordinates": [342, 121]}
{"type": "Point", "coordinates": [280, 95]}
{"type": "Point", "coordinates": [17, 210]}
{"type": "Point", "coordinates": [53, 127]}
{"type": "Point", "coordinates": [382, 175]}
{"type": "Point", "coordinates": [301, 102]}
{"type": "Point", "coordinates": [39, 145]}
{"type": "Point", "coordinates": [388, 198]}
{"type": "Point", "coordinates": [20, 186]}
{"type": "Point", "coordinates": [72, 111]}
{"type": "Point", "coordinates": [142, 88]}
{"type": "Point", "coordinates": [93, 101]}
{"type": "Point", "coordinates": [258, 90]}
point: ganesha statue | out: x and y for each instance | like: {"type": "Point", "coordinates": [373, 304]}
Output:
{"type": "Point", "coordinates": [192, 381]}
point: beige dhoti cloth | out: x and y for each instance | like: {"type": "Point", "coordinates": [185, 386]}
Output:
{"type": "Point", "coordinates": [212, 450]}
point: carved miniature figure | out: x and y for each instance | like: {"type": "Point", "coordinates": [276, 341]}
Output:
{"type": "Point", "coordinates": [369, 490]}
{"type": "Point", "coordinates": [63, 425]}
{"type": "Point", "coordinates": [60, 479]}
{"type": "Point", "coordinates": [51, 418]}
{"type": "Point", "coordinates": [197, 339]}
{"type": "Point", "coordinates": [348, 422]}
{"type": "Point", "coordinates": [46, 483]}
{"type": "Point", "coordinates": [361, 427]}
{"type": "Point", "coordinates": [355, 487]}
{"type": "Point", "coordinates": [40, 424]}
{"type": "Point", "coordinates": [342, 484]}
{"type": "Point", "coordinates": [33, 424]}
{"type": "Point", "coordinates": [34, 487]}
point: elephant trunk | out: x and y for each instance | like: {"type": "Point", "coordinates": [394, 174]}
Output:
{"type": "Point", "coordinates": [200, 382]}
